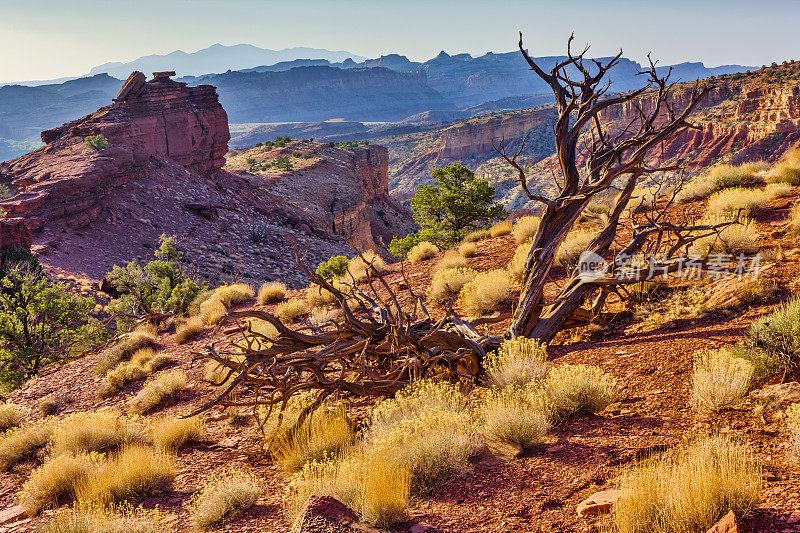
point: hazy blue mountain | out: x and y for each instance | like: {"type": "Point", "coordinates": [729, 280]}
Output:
{"type": "Point", "coordinates": [319, 93]}
{"type": "Point", "coordinates": [218, 58]}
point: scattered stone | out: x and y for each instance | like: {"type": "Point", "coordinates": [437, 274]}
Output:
{"type": "Point", "coordinates": [779, 393]}
{"type": "Point", "coordinates": [13, 514]}
{"type": "Point", "coordinates": [727, 524]}
{"type": "Point", "coordinates": [599, 503]}
{"type": "Point", "coordinates": [328, 515]}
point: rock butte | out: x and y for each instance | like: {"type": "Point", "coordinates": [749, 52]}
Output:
{"type": "Point", "coordinates": [162, 173]}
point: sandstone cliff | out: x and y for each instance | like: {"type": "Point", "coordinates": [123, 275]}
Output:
{"type": "Point", "coordinates": [342, 192]}
{"type": "Point", "coordinates": [162, 173]}
{"type": "Point", "coordinates": [413, 157]}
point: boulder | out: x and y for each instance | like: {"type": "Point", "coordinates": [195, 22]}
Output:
{"type": "Point", "coordinates": [727, 524]}
{"type": "Point", "coordinates": [598, 503]}
{"type": "Point", "coordinates": [779, 393]}
{"type": "Point", "coordinates": [323, 514]}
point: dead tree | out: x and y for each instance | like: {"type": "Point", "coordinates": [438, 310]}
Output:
{"type": "Point", "coordinates": [375, 350]}
{"type": "Point", "coordinates": [615, 158]}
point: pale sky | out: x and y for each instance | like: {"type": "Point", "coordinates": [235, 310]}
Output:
{"type": "Point", "coordinates": [43, 39]}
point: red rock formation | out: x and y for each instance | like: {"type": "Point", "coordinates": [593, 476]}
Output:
{"type": "Point", "coordinates": [346, 193]}
{"type": "Point", "coordinates": [738, 121]}
{"type": "Point", "coordinates": [66, 180]}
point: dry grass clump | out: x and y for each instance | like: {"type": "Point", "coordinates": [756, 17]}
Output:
{"type": "Point", "coordinates": [418, 439]}
{"type": "Point", "coordinates": [516, 267]}
{"type": "Point", "coordinates": [787, 170]}
{"type": "Point", "coordinates": [719, 379]}
{"type": "Point", "coordinates": [468, 249]}
{"type": "Point", "coordinates": [376, 486]}
{"type": "Point", "coordinates": [218, 303]}
{"type": "Point", "coordinates": [291, 309]}
{"type": "Point", "coordinates": [422, 251]}
{"type": "Point", "coordinates": [49, 404]}
{"type": "Point", "coordinates": [525, 228]}
{"type": "Point", "coordinates": [212, 310]}
{"type": "Point", "coordinates": [520, 415]}
{"type": "Point", "coordinates": [793, 423]}
{"type": "Point", "coordinates": [429, 428]}
{"type": "Point", "coordinates": [360, 268]}
{"type": "Point", "coordinates": [448, 283]}
{"type": "Point", "coordinates": [103, 521]}
{"type": "Point", "coordinates": [224, 496]}
{"type": "Point", "coordinates": [20, 442]}
{"type": "Point", "coordinates": [325, 315]}
{"type": "Point", "coordinates": [170, 433]}
{"type": "Point", "coordinates": [326, 431]}
{"type": "Point", "coordinates": [581, 388]}
{"type": "Point", "coordinates": [233, 294]}
{"type": "Point", "coordinates": [86, 432]}
{"type": "Point", "coordinates": [688, 490]}
{"type": "Point", "coordinates": [779, 332]}
{"type": "Point", "coordinates": [793, 227]}
{"type": "Point", "coordinates": [316, 296]}
{"type": "Point", "coordinates": [486, 292]}
{"type": "Point", "coordinates": [189, 329]}
{"type": "Point", "coordinates": [450, 260]}
{"type": "Point", "coordinates": [517, 363]}
{"type": "Point", "coordinates": [734, 239]}
{"type": "Point", "coordinates": [141, 337]}
{"type": "Point", "coordinates": [745, 201]}
{"type": "Point", "coordinates": [722, 177]}
{"type": "Point", "coordinates": [156, 390]}
{"type": "Point", "coordinates": [57, 481]}
{"type": "Point", "coordinates": [576, 242]}
{"type": "Point", "coordinates": [141, 364]}
{"type": "Point", "coordinates": [11, 415]}
{"type": "Point", "coordinates": [271, 292]}
{"type": "Point", "coordinates": [501, 228]}
{"type": "Point", "coordinates": [136, 471]}
{"type": "Point", "coordinates": [477, 235]}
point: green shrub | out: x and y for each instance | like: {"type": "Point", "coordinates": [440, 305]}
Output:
{"type": "Point", "coordinates": [335, 267]}
{"type": "Point", "coordinates": [779, 332]}
{"type": "Point", "coordinates": [457, 203]}
{"type": "Point", "coordinates": [40, 322]}
{"type": "Point", "coordinates": [96, 142]}
{"type": "Point", "coordinates": [399, 247]}
{"type": "Point", "coordinates": [160, 285]}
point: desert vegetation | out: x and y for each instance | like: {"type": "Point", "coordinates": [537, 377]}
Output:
{"type": "Point", "coordinates": [394, 387]}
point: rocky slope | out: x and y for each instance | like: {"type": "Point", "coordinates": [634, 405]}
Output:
{"type": "Point", "coordinates": [161, 173]}
{"type": "Point", "coordinates": [745, 117]}
{"type": "Point", "coordinates": [344, 192]}
{"type": "Point", "coordinates": [414, 156]}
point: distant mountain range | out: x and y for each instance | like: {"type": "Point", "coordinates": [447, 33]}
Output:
{"type": "Point", "coordinates": [218, 58]}
{"type": "Point", "coordinates": [267, 86]}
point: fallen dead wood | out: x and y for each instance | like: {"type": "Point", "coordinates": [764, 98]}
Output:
{"type": "Point", "coordinates": [375, 350]}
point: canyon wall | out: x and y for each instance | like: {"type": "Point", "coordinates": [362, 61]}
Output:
{"type": "Point", "coordinates": [414, 156]}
